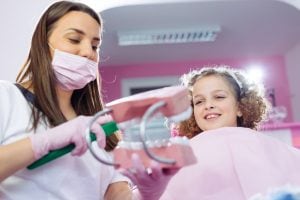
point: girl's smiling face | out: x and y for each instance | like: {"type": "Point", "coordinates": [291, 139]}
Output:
{"type": "Point", "coordinates": [215, 104]}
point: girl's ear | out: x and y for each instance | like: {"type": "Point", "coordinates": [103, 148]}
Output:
{"type": "Point", "coordinates": [239, 113]}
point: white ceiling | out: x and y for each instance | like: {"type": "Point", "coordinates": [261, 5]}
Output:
{"type": "Point", "coordinates": [249, 28]}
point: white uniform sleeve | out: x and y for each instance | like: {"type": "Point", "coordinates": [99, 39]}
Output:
{"type": "Point", "coordinates": [4, 107]}
{"type": "Point", "coordinates": [15, 113]}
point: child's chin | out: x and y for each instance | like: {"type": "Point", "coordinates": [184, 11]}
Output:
{"type": "Point", "coordinates": [214, 126]}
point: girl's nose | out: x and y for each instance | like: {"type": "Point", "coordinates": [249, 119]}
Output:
{"type": "Point", "coordinates": [209, 105]}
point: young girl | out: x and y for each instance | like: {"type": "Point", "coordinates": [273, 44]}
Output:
{"type": "Point", "coordinates": [234, 161]}
{"type": "Point", "coordinates": [222, 96]}
{"type": "Point", "coordinates": [50, 106]}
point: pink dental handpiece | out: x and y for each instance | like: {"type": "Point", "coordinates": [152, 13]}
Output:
{"type": "Point", "coordinates": [141, 117]}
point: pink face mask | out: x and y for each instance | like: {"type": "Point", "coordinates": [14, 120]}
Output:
{"type": "Point", "coordinates": [73, 72]}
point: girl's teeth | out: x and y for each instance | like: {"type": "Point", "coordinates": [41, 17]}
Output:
{"type": "Point", "coordinates": [211, 116]}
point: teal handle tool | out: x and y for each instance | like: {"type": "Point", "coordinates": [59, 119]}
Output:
{"type": "Point", "coordinates": [109, 129]}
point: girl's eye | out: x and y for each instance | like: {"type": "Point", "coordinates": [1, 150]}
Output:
{"type": "Point", "coordinates": [198, 102]}
{"type": "Point", "coordinates": [220, 97]}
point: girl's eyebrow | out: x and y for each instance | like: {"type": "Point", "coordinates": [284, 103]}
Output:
{"type": "Point", "coordinates": [82, 33]}
{"type": "Point", "coordinates": [220, 91]}
{"type": "Point", "coordinates": [214, 91]}
{"type": "Point", "coordinates": [197, 96]}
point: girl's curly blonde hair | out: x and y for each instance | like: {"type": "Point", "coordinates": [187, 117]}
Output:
{"type": "Point", "coordinates": [249, 95]}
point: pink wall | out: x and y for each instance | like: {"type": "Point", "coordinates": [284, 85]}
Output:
{"type": "Point", "coordinates": [276, 76]}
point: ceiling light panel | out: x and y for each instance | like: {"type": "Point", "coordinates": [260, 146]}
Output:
{"type": "Point", "coordinates": [203, 34]}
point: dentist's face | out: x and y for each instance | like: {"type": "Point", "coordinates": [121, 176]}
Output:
{"type": "Point", "coordinates": [76, 33]}
{"type": "Point", "coordinates": [215, 104]}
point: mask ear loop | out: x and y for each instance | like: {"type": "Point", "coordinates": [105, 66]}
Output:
{"type": "Point", "coordinates": [51, 46]}
{"type": "Point", "coordinates": [151, 110]}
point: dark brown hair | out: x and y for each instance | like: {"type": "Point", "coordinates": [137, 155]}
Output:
{"type": "Point", "coordinates": [38, 71]}
{"type": "Point", "coordinates": [249, 95]}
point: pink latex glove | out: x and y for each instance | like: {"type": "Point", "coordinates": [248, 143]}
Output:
{"type": "Point", "coordinates": [69, 132]}
{"type": "Point", "coordinates": [151, 185]}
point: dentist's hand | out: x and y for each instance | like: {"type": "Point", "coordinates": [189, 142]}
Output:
{"type": "Point", "coordinates": [150, 182]}
{"type": "Point", "coordinates": [69, 132]}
